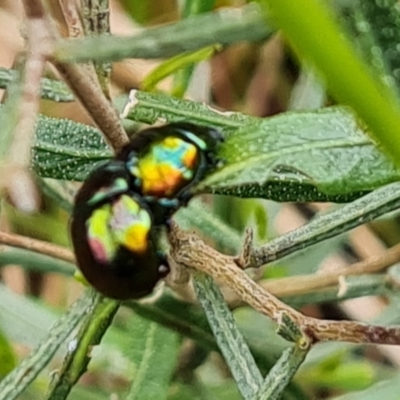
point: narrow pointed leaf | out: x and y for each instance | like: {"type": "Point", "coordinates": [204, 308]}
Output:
{"type": "Point", "coordinates": [154, 354]}
{"type": "Point", "coordinates": [325, 151]}
{"type": "Point", "coordinates": [305, 156]}
{"type": "Point", "coordinates": [67, 150]}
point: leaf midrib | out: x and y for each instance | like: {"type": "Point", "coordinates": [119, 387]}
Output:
{"type": "Point", "coordinates": [72, 151]}
{"type": "Point", "coordinates": [260, 158]}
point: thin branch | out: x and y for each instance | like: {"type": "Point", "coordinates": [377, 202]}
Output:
{"type": "Point", "coordinates": [23, 242]}
{"type": "Point", "coordinates": [76, 29]}
{"type": "Point", "coordinates": [93, 99]}
{"type": "Point", "coordinates": [189, 250]}
{"type": "Point", "coordinates": [96, 18]}
{"type": "Point", "coordinates": [301, 284]}
{"type": "Point", "coordinates": [40, 44]}
{"type": "Point", "coordinates": [34, 9]}
{"type": "Point", "coordinates": [325, 226]}
{"type": "Point", "coordinates": [91, 88]}
{"type": "Point", "coordinates": [72, 18]}
{"type": "Point", "coordinates": [291, 286]}
{"type": "Point", "coordinates": [19, 151]}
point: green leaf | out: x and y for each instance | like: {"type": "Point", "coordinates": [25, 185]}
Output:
{"type": "Point", "coordinates": [225, 26]}
{"type": "Point", "coordinates": [376, 27]}
{"type": "Point", "coordinates": [8, 358]}
{"type": "Point", "coordinates": [310, 260]}
{"type": "Point", "coordinates": [350, 375]}
{"type": "Point", "coordinates": [23, 320]}
{"type": "Point", "coordinates": [200, 216]}
{"type": "Point", "coordinates": [230, 340]}
{"type": "Point", "coordinates": [388, 390]}
{"type": "Point", "coordinates": [281, 374]}
{"type": "Point", "coordinates": [286, 136]}
{"type": "Point", "coordinates": [84, 393]}
{"type": "Point", "coordinates": [93, 326]}
{"type": "Point", "coordinates": [141, 11]}
{"type": "Point", "coordinates": [194, 7]}
{"type": "Point", "coordinates": [154, 353]}
{"type": "Point", "coordinates": [67, 150]}
{"type": "Point", "coordinates": [183, 77]}
{"type": "Point", "coordinates": [224, 391]}
{"type": "Point", "coordinates": [151, 108]}
{"type": "Point", "coordinates": [292, 155]}
{"type": "Point", "coordinates": [11, 114]}
{"type": "Point", "coordinates": [326, 225]}
{"type": "Point", "coordinates": [175, 64]}
{"type": "Point", "coordinates": [50, 88]}
{"type": "Point", "coordinates": [32, 261]}
{"type": "Point", "coordinates": [318, 37]}
{"type": "Point", "coordinates": [357, 286]}
{"type": "Point", "coordinates": [189, 321]}
{"type": "Point", "coordinates": [251, 323]}
{"type": "Point", "coordinates": [17, 381]}
{"type": "Point", "coordinates": [304, 156]}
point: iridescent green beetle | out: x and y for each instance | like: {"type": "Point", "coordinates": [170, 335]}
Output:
{"type": "Point", "coordinates": [113, 235]}
{"type": "Point", "coordinates": [166, 162]}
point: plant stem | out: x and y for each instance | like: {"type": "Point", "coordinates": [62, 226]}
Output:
{"type": "Point", "coordinates": [91, 96]}
{"type": "Point", "coordinates": [189, 250]}
{"type": "Point", "coordinates": [36, 262]}
{"type": "Point", "coordinates": [225, 26]}
{"type": "Point", "coordinates": [39, 246]}
{"type": "Point", "coordinates": [325, 226]}
{"type": "Point", "coordinates": [96, 18]}
{"type": "Point", "coordinates": [300, 284]}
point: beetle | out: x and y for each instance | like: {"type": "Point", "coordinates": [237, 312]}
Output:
{"type": "Point", "coordinates": [113, 235]}
{"type": "Point", "coordinates": [166, 162]}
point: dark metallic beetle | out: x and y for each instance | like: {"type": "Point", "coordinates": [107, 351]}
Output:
{"type": "Point", "coordinates": [166, 162]}
{"type": "Point", "coordinates": [113, 235]}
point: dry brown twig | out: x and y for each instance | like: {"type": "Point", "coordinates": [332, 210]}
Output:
{"type": "Point", "coordinates": [17, 180]}
{"type": "Point", "coordinates": [72, 18]}
{"type": "Point", "coordinates": [38, 246]}
{"type": "Point", "coordinates": [189, 250]}
{"type": "Point", "coordinates": [96, 17]}
{"type": "Point", "coordinates": [301, 284]}
{"type": "Point", "coordinates": [93, 99]}
{"type": "Point", "coordinates": [84, 82]}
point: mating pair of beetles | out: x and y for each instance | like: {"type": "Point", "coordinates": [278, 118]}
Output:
{"type": "Point", "coordinates": [123, 203]}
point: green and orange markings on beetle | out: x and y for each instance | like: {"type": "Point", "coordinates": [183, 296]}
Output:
{"type": "Point", "coordinates": [167, 162]}
{"type": "Point", "coordinates": [113, 235]}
